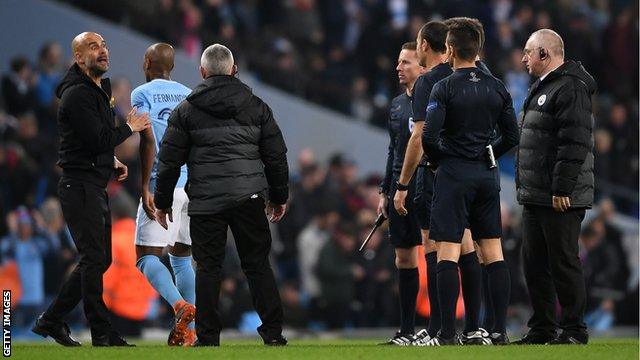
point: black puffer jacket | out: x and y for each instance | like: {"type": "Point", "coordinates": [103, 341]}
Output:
{"type": "Point", "coordinates": [555, 156]}
{"type": "Point", "coordinates": [86, 126]}
{"type": "Point", "coordinates": [231, 144]}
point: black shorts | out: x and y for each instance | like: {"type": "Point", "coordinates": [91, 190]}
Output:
{"type": "Point", "coordinates": [424, 195]}
{"type": "Point", "coordinates": [404, 231]}
{"type": "Point", "coordinates": [466, 194]}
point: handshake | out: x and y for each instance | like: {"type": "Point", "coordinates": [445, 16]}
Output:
{"type": "Point", "coordinates": [138, 122]}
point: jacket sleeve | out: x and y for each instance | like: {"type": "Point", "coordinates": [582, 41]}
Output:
{"type": "Point", "coordinates": [573, 114]}
{"type": "Point", "coordinates": [80, 108]}
{"type": "Point", "coordinates": [273, 153]}
{"type": "Point", "coordinates": [174, 151]}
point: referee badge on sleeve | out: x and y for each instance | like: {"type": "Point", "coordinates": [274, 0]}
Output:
{"type": "Point", "coordinates": [432, 105]}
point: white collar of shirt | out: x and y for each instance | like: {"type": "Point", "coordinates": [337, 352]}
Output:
{"type": "Point", "coordinates": [549, 72]}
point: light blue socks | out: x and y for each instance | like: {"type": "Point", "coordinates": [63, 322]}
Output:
{"type": "Point", "coordinates": [159, 277]}
{"type": "Point", "coordinates": [185, 278]}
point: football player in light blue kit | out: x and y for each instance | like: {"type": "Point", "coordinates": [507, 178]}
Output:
{"type": "Point", "coordinates": [159, 96]}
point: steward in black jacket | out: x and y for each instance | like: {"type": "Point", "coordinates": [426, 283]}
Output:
{"type": "Point", "coordinates": [231, 144]}
{"type": "Point", "coordinates": [86, 126]}
{"type": "Point", "coordinates": [555, 156]}
{"type": "Point", "coordinates": [554, 180]}
{"type": "Point", "coordinates": [236, 159]}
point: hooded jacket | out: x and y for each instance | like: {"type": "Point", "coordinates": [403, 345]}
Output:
{"type": "Point", "coordinates": [231, 144]}
{"type": "Point", "coordinates": [87, 130]}
{"type": "Point", "coordinates": [555, 156]}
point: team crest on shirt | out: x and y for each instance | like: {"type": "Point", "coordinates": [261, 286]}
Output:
{"type": "Point", "coordinates": [542, 99]}
{"type": "Point", "coordinates": [473, 77]}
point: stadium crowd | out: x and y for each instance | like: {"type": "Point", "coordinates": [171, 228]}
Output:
{"type": "Point", "coordinates": [340, 54]}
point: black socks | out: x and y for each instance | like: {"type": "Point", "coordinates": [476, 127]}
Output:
{"type": "Point", "coordinates": [432, 286]}
{"type": "Point", "coordinates": [408, 283]}
{"type": "Point", "coordinates": [448, 291]}
{"type": "Point", "coordinates": [499, 281]}
{"type": "Point", "coordinates": [471, 278]}
{"type": "Point", "coordinates": [488, 320]}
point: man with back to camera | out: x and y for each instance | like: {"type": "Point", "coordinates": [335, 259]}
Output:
{"type": "Point", "coordinates": [236, 160]}
{"type": "Point", "coordinates": [462, 113]}
{"type": "Point", "coordinates": [88, 136]}
{"type": "Point", "coordinates": [554, 180]}
{"type": "Point", "coordinates": [159, 96]}
{"type": "Point", "coordinates": [404, 231]}
{"type": "Point", "coordinates": [431, 51]}
{"type": "Point", "coordinates": [469, 289]}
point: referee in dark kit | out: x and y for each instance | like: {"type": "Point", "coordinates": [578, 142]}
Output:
{"type": "Point", "coordinates": [88, 135]}
{"type": "Point", "coordinates": [404, 230]}
{"type": "Point", "coordinates": [462, 113]}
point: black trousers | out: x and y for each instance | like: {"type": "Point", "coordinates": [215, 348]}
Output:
{"type": "Point", "coordinates": [85, 207]}
{"type": "Point", "coordinates": [552, 268]}
{"type": "Point", "coordinates": [251, 232]}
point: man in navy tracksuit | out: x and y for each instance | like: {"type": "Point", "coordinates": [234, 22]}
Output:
{"type": "Point", "coordinates": [462, 114]}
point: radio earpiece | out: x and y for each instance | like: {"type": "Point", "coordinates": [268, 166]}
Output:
{"type": "Point", "coordinates": [543, 54]}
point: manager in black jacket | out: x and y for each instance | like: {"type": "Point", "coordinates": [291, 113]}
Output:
{"type": "Point", "coordinates": [554, 179]}
{"type": "Point", "coordinates": [236, 160]}
{"type": "Point", "coordinates": [88, 135]}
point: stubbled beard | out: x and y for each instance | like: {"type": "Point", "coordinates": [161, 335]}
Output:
{"type": "Point", "coordinates": [96, 71]}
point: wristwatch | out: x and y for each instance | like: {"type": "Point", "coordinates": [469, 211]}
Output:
{"type": "Point", "coordinates": [401, 187]}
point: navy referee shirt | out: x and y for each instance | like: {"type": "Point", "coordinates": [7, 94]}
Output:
{"type": "Point", "coordinates": [400, 127]}
{"type": "Point", "coordinates": [462, 114]}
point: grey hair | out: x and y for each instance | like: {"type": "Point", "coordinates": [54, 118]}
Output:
{"type": "Point", "coordinates": [217, 59]}
{"type": "Point", "coordinates": [551, 40]}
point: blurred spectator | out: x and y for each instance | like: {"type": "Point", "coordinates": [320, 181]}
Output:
{"type": "Point", "coordinates": [337, 272]}
{"type": "Point", "coordinates": [190, 39]}
{"type": "Point", "coordinates": [624, 153]}
{"type": "Point", "coordinates": [127, 294]}
{"type": "Point", "coordinates": [295, 312]}
{"type": "Point", "coordinates": [28, 251]}
{"type": "Point", "coordinates": [375, 293]}
{"type": "Point", "coordinates": [620, 42]}
{"type": "Point", "coordinates": [18, 87]}
{"type": "Point", "coordinates": [517, 80]}
{"type": "Point", "coordinates": [310, 243]}
{"type": "Point", "coordinates": [601, 269]}
{"type": "Point", "coordinates": [50, 67]}
{"type": "Point", "coordinates": [58, 262]}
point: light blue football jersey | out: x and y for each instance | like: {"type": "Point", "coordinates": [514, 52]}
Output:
{"type": "Point", "coordinates": [159, 97]}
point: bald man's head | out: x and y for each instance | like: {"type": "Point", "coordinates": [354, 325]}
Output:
{"type": "Point", "coordinates": [158, 61]}
{"type": "Point", "coordinates": [543, 52]}
{"type": "Point", "coordinates": [549, 40]}
{"type": "Point", "coordinates": [91, 54]}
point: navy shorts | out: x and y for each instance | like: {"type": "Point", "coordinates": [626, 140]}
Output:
{"type": "Point", "coordinates": [424, 196]}
{"type": "Point", "coordinates": [466, 194]}
{"type": "Point", "coordinates": [404, 231]}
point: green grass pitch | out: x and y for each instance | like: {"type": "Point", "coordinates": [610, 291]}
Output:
{"type": "Point", "coordinates": [600, 349]}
